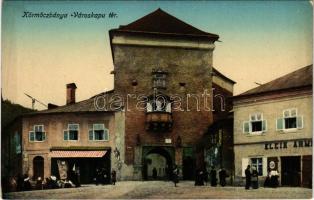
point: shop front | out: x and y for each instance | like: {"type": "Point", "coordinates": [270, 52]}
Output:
{"type": "Point", "coordinates": [85, 163]}
{"type": "Point", "coordinates": [292, 159]}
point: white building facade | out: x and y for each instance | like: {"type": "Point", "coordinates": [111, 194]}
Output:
{"type": "Point", "coordinates": [273, 128]}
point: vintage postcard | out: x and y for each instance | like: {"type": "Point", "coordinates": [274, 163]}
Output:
{"type": "Point", "coordinates": [156, 99]}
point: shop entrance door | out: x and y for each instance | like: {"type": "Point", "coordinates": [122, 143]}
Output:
{"type": "Point", "coordinates": [291, 171]}
{"type": "Point", "coordinates": [307, 171]}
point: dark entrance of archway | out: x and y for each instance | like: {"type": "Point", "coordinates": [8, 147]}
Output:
{"type": "Point", "coordinates": [157, 163]}
{"type": "Point", "coordinates": [38, 167]}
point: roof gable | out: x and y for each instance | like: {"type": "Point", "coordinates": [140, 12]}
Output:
{"type": "Point", "coordinates": [160, 22]}
{"type": "Point", "coordinates": [300, 78]}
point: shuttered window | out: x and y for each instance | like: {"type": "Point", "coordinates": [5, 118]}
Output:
{"type": "Point", "coordinates": [290, 120]}
{"type": "Point", "coordinates": [37, 134]}
{"type": "Point", "coordinates": [98, 133]}
{"type": "Point", "coordinates": [255, 125]}
{"type": "Point", "coordinates": [72, 133]}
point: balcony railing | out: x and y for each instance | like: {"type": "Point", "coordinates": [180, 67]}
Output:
{"type": "Point", "coordinates": [159, 121]}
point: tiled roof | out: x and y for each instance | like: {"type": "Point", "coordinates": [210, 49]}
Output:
{"type": "Point", "coordinates": [300, 78]}
{"type": "Point", "coordinates": [87, 105]}
{"type": "Point", "coordinates": [160, 22]}
{"type": "Point", "coordinates": [218, 73]}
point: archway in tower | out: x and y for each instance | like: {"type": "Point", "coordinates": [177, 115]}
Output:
{"type": "Point", "coordinates": [157, 164]}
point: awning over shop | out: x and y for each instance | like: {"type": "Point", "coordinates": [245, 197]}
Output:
{"type": "Point", "coordinates": [77, 154]}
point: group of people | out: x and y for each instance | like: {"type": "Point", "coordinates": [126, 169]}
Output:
{"type": "Point", "coordinates": [251, 178]}
{"type": "Point", "coordinates": [201, 177]}
{"type": "Point", "coordinates": [222, 174]}
{"type": "Point", "coordinates": [103, 177]}
{"type": "Point", "coordinates": [25, 183]}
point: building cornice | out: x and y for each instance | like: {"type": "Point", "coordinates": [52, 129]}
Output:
{"type": "Point", "coordinates": [272, 96]}
{"type": "Point", "coordinates": [162, 42]}
{"type": "Point", "coordinates": [267, 141]}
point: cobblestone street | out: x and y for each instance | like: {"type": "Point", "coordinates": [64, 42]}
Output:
{"type": "Point", "coordinates": [160, 190]}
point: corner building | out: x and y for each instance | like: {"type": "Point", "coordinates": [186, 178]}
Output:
{"type": "Point", "coordinates": [273, 127]}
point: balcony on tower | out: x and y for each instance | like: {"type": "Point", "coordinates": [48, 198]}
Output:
{"type": "Point", "coordinates": [158, 113]}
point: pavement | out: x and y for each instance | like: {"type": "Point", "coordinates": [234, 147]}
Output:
{"type": "Point", "coordinates": [162, 190]}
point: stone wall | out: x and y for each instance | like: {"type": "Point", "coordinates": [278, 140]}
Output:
{"type": "Point", "coordinates": [192, 66]}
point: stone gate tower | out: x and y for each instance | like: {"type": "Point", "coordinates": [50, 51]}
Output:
{"type": "Point", "coordinates": [162, 70]}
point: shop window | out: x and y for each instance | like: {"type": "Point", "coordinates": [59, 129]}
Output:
{"type": "Point", "coordinates": [290, 120]}
{"type": "Point", "coordinates": [38, 134]}
{"type": "Point", "coordinates": [256, 124]}
{"type": "Point", "coordinates": [99, 133]}
{"type": "Point", "coordinates": [258, 164]}
{"type": "Point", "coordinates": [71, 133]}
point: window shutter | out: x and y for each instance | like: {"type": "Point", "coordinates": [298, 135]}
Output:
{"type": "Point", "coordinates": [246, 127]}
{"type": "Point", "coordinates": [264, 125]}
{"type": "Point", "coordinates": [300, 122]}
{"type": "Point", "coordinates": [90, 135]}
{"type": "Point", "coordinates": [31, 136]}
{"type": "Point", "coordinates": [279, 124]}
{"type": "Point", "coordinates": [264, 166]}
{"type": "Point", "coordinates": [168, 108]}
{"type": "Point", "coordinates": [65, 135]}
{"type": "Point", "coordinates": [149, 107]}
{"type": "Point", "coordinates": [106, 134]}
{"type": "Point", "coordinates": [44, 136]}
{"type": "Point", "coordinates": [245, 163]}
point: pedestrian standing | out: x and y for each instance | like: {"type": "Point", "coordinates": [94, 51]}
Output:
{"type": "Point", "coordinates": [222, 177]}
{"type": "Point", "coordinates": [97, 176]}
{"type": "Point", "coordinates": [39, 183]}
{"type": "Point", "coordinates": [199, 178]}
{"type": "Point", "coordinates": [19, 182]}
{"type": "Point", "coordinates": [113, 177]}
{"type": "Point", "coordinates": [254, 178]}
{"type": "Point", "coordinates": [213, 177]}
{"type": "Point", "coordinates": [274, 175]}
{"type": "Point", "coordinates": [26, 184]}
{"type": "Point", "coordinates": [248, 177]}
{"type": "Point", "coordinates": [104, 176]}
{"type": "Point", "coordinates": [175, 175]}
{"type": "Point", "coordinates": [267, 180]}
{"type": "Point", "coordinates": [205, 176]}
{"type": "Point", "coordinates": [154, 173]}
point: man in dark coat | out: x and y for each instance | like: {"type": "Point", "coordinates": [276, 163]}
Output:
{"type": "Point", "coordinates": [97, 176]}
{"type": "Point", "coordinates": [26, 183]}
{"type": "Point", "coordinates": [248, 177]}
{"type": "Point", "coordinates": [199, 178]}
{"type": "Point", "coordinates": [154, 173]}
{"type": "Point", "coordinates": [205, 176]}
{"type": "Point", "coordinates": [113, 177]}
{"type": "Point", "coordinates": [213, 179]}
{"type": "Point", "coordinates": [254, 178]}
{"type": "Point", "coordinates": [175, 175]}
{"type": "Point", "coordinates": [222, 177]}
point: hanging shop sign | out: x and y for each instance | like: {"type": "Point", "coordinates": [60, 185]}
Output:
{"type": "Point", "coordinates": [288, 144]}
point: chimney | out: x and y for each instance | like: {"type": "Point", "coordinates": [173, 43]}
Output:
{"type": "Point", "coordinates": [52, 106]}
{"type": "Point", "coordinates": [71, 87]}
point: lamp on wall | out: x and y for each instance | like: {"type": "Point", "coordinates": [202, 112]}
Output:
{"type": "Point", "coordinates": [179, 142]}
{"type": "Point", "coordinates": [138, 139]}
{"type": "Point", "coordinates": [134, 82]}
{"type": "Point", "coordinates": [116, 153]}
